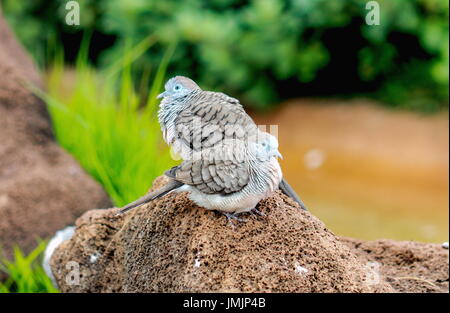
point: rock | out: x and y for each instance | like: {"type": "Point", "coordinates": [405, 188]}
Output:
{"type": "Point", "coordinates": [172, 245]}
{"type": "Point", "coordinates": [407, 266]}
{"type": "Point", "coordinates": [42, 188]}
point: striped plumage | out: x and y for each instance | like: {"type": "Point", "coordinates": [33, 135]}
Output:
{"type": "Point", "coordinates": [228, 164]}
{"type": "Point", "coordinates": [202, 119]}
{"type": "Point", "coordinates": [229, 185]}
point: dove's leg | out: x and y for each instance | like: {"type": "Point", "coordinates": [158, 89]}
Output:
{"type": "Point", "coordinates": [258, 212]}
{"type": "Point", "coordinates": [231, 217]}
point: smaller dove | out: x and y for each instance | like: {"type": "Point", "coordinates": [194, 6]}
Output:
{"type": "Point", "coordinates": [231, 177]}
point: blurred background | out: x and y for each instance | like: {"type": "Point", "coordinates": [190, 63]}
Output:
{"type": "Point", "coordinates": [362, 110]}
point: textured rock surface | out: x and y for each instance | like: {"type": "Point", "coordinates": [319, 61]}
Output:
{"type": "Point", "coordinates": [172, 245]}
{"type": "Point", "coordinates": [407, 266]}
{"type": "Point", "coordinates": [42, 189]}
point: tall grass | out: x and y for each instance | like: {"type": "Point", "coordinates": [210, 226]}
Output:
{"type": "Point", "coordinates": [25, 273]}
{"type": "Point", "coordinates": [106, 125]}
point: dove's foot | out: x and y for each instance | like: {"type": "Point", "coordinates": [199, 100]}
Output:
{"type": "Point", "coordinates": [231, 217]}
{"type": "Point", "coordinates": [257, 212]}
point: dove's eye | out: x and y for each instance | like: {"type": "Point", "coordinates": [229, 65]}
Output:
{"type": "Point", "coordinates": [177, 87]}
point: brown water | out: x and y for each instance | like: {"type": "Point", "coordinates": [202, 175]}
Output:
{"type": "Point", "coordinates": [366, 171]}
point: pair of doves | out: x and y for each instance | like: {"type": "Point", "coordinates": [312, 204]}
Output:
{"type": "Point", "coordinates": [229, 164]}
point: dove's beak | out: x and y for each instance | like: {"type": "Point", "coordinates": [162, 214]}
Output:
{"type": "Point", "coordinates": [162, 95]}
{"type": "Point", "coordinates": [278, 154]}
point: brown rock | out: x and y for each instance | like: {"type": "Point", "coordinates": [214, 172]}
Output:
{"type": "Point", "coordinates": [407, 266]}
{"type": "Point", "coordinates": [172, 245]}
{"type": "Point", "coordinates": [42, 188]}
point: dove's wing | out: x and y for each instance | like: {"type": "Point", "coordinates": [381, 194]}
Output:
{"type": "Point", "coordinates": [221, 169]}
{"type": "Point", "coordinates": [211, 117]}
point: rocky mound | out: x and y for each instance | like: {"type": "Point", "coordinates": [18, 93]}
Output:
{"type": "Point", "coordinates": [42, 188]}
{"type": "Point", "coordinates": [407, 266]}
{"type": "Point", "coordinates": [172, 245]}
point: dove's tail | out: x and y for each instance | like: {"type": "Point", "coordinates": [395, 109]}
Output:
{"type": "Point", "coordinates": [173, 184]}
{"type": "Point", "coordinates": [287, 190]}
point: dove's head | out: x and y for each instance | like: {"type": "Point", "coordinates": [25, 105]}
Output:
{"type": "Point", "coordinates": [267, 146]}
{"type": "Point", "coordinates": [178, 87]}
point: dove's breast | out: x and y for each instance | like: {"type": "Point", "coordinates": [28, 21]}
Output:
{"type": "Point", "coordinates": [167, 115]}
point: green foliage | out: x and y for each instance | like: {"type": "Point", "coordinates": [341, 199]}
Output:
{"type": "Point", "coordinates": [249, 48]}
{"type": "Point", "coordinates": [261, 50]}
{"type": "Point", "coordinates": [40, 24]}
{"type": "Point", "coordinates": [103, 123]}
{"type": "Point", "coordinates": [25, 274]}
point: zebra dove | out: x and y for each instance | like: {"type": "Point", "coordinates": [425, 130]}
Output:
{"type": "Point", "coordinates": [231, 177]}
{"type": "Point", "coordinates": [194, 119]}
{"type": "Point", "coordinates": [203, 127]}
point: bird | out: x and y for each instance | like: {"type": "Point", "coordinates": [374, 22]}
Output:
{"type": "Point", "coordinates": [192, 119]}
{"type": "Point", "coordinates": [204, 126]}
{"type": "Point", "coordinates": [231, 177]}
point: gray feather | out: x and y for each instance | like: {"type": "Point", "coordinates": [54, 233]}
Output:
{"type": "Point", "coordinates": [289, 191]}
{"type": "Point", "coordinates": [198, 122]}
{"type": "Point", "coordinates": [173, 184]}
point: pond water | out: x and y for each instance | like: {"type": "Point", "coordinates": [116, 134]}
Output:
{"type": "Point", "coordinates": [367, 171]}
